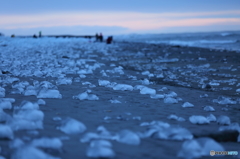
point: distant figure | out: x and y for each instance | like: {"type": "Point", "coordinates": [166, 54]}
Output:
{"type": "Point", "coordinates": [12, 36]}
{"type": "Point", "coordinates": [109, 40]}
{"type": "Point", "coordinates": [101, 37]}
{"type": "Point", "coordinates": [35, 36]}
{"type": "Point", "coordinates": [97, 37]}
{"type": "Point", "coordinates": [40, 34]}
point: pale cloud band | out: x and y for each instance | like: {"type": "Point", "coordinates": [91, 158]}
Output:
{"type": "Point", "coordinates": [134, 21]}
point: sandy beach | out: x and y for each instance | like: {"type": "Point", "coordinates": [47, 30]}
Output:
{"type": "Point", "coordinates": [199, 76]}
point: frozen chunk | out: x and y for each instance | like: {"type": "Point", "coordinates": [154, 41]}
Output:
{"type": "Point", "coordinates": [49, 94]}
{"type": "Point", "coordinates": [146, 90]}
{"type": "Point", "coordinates": [123, 87]}
{"type": "Point", "coordinates": [198, 119]}
{"type": "Point", "coordinates": [128, 137]}
{"type": "Point", "coordinates": [170, 100]}
{"type": "Point", "coordinates": [187, 105]}
{"type": "Point", "coordinates": [223, 120]}
{"type": "Point", "coordinates": [72, 126]}
{"type": "Point", "coordinates": [6, 132]}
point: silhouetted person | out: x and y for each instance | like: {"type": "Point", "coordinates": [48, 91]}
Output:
{"type": "Point", "coordinates": [35, 36]}
{"type": "Point", "coordinates": [97, 37]}
{"type": "Point", "coordinates": [40, 34]}
{"type": "Point", "coordinates": [109, 40]}
{"type": "Point", "coordinates": [101, 37]}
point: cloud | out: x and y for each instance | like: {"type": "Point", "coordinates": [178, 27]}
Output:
{"type": "Point", "coordinates": [118, 21]}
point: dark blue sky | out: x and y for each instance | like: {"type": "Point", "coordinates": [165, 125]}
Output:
{"type": "Point", "coordinates": [119, 16]}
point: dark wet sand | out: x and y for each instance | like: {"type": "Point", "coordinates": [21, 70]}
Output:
{"type": "Point", "coordinates": [92, 113]}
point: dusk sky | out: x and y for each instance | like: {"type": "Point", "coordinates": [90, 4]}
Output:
{"type": "Point", "coordinates": [80, 17]}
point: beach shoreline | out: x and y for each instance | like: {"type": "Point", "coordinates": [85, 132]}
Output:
{"type": "Point", "coordinates": [190, 72]}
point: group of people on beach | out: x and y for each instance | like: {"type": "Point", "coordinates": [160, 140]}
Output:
{"type": "Point", "coordinates": [99, 37]}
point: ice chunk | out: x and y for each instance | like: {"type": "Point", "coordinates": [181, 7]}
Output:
{"type": "Point", "coordinates": [238, 90]}
{"type": "Point", "coordinates": [16, 143]}
{"type": "Point", "coordinates": [139, 87]}
{"type": "Point", "coordinates": [89, 136]}
{"type": "Point", "coordinates": [103, 82]}
{"type": "Point", "coordinates": [173, 133]}
{"type": "Point", "coordinates": [100, 149]}
{"type": "Point", "coordinates": [4, 116]}
{"type": "Point", "coordinates": [115, 101]}
{"type": "Point", "coordinates": [72, 126]}
{"type": "Point", "coordinates": [41, 102]}
{"type": "Point", "coordinates": [1, 157]}
{"type": "Point", "coordinates": [136, 118]}
{"type": "Point", "coordinates": [157, 96]}
{"type": "Point", "coordinates": [85, 71]}
{"type": "Point", "coordinates": [175, 117]}
{"type": "Point", "coordinates": [27, 119]}
{"type": "Point", "coordinates": [145, 73]}
{"type": "Point", "coordinates": [163, 130]}
{"type": "Point", "coordinates": [86, 96]}
{"type": "Point", "coordinates": [23, 124]}
{"type": "Point", "coordinates": [29, 114]}
{"type": "Point", "coordinates": [197, 148]}
{"type": "Point", "coordinates": [145, 81]}
{"type": "Point", "coordinates": [128, 137]}
{"type": "Point", "coordinates": [30, 152]}
{"type": "Point", "coordinates": [64, 81]}
{"type": "Point", "coordinates": [123, 87]}
{"type": "Point", "coordinates": [198, 119]}
{"type": "Point", "coordinates": [171, 94]}
{"type": "Point", "coordinates": [187, 105]}
{"type": "Point", "coordinates": [223, 120]}
{"type": "Point", "coordinates": [6, 132]}
{"type": "Point", "coordinates": [30, 92]}
{"type": "Point", "coordinates": [5, 105]}
{"type": "Point", "coordinates": [54, 143]}
{"type": "Point", "coordinates": [224, 100]}
{"type": "Point", "coordinates": [211, 118]}
{"type": "Point", "coordinates": [28, 105]}
{"type": "Point", "coordinates": [172, 117]}
{"type": "Point", "coordinates": [233, 126]}
{"type": "Point", "coordinates": [146, 90]}
{"type": "Point", "coordinates": [49, 94]}
{"type": "Point", "coordinates": [209, 108]}
{"type": "Point", "coordinates": [12, 100]}
{"type": "Point", "coordinates": [170, 100]}
{"type": "Point", "coordinates": [2, 92]}
{"type": "Point", "coordinates": [57, 118]}
{"type": "Point", "coordinates": [204, 96]}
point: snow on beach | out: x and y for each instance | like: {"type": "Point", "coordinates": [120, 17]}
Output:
{"type": "Point", "coordinates": [76, 98]}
